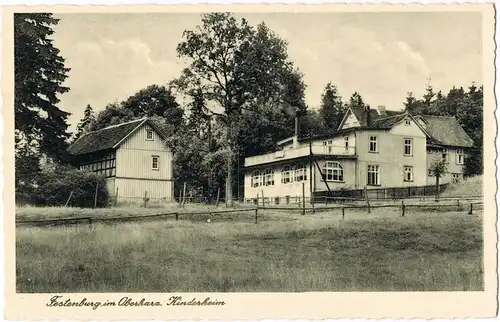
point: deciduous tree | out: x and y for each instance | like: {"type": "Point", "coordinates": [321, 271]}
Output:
{"type": "Point", "coordinates": [237, 67]}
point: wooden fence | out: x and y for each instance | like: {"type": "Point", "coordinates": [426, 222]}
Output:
{"type": "Point", "coordinates": [90, 220]}
{"type": "Point", "coordinates": [383, 193]}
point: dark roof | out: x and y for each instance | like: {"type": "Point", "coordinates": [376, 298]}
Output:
{"type": "Point", "coordinates": [374, 113]}
{"type": "Point", "coordinates": [389, 121]}
{"type": "Point", "coordinates": [446, 130]}
{"type": "Point", "coordinates": [103, 139]}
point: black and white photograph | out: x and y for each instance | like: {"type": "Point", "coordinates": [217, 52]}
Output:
{"type": "Point", "coordinates": [249, 152]}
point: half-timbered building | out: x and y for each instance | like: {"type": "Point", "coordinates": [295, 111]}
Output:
{"type": "Point", "coordinates": [133, 156]}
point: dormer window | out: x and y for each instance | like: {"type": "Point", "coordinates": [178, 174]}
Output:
{"type": "Point", "coordinates": [149, 135]}
{"type": "Point", "coordinates": [407, 122]}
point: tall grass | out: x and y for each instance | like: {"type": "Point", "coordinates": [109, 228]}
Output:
{"type": "Point", "coordinates": [472, 186]}
{"type": "Point", "coordinates": [429, 252]}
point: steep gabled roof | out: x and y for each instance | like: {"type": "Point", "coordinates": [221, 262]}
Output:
{"type": "Point", "coordinates": [446, 130]}
{"type": "Point", "coordinates": [107, 138]}
{"type": "Point", "coordinates": [374, 114]}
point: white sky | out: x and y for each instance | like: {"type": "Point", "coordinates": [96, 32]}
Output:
{"type": "Point", "coordinates": [381, 55]}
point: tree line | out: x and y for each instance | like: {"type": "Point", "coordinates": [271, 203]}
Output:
{"type": "Point", "coordinates": [241, 93]}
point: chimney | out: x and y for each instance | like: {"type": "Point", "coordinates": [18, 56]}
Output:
{"type": "Point", "coordinates": [296, 134]}
{"type": "Point", "coordinates": [365, 116]}
{"type": "Point", "coordinates": [381, 110]}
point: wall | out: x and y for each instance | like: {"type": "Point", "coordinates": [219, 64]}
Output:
{"type": "Point", "coordinates": [453, 167]}
{"type": "Point", "coordinates": [134, 161]}
{"type": "Point", "coordinates": [132, 190]}
{"type": "Point", "coordinates": [350, 121]}
{"type": "Point", "coordinates": [292, 189]}
{"type": "Point", "coordinates": [349, 167]}
{"type": "Point", "coordinates": [390, 156]}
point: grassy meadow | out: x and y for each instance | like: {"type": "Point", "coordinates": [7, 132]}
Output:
{"type": "Point", "coordinates": [284, 252]}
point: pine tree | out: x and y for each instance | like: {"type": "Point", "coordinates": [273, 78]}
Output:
{"type": "Point", "coordinates": [332, 108]}
{"type": "Point", "coordinates": [356, 101]}
{"type": "Point", "coordinates": [83, 125]}
{"type": "Point", "coordinates": [39, 74]}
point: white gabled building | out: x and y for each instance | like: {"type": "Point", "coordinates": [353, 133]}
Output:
{"type": "Point", "coordinates": [133, 156]}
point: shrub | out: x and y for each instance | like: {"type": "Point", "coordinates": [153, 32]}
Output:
{"type": "Point", "coordinates": [53, 187]}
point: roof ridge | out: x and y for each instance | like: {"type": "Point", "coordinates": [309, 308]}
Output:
{"type": "Point", "coordinates": [441, 116]}
{"type": "Point", "coordinates": [388, 117]}
{"type": "Point", "coordinates": [117, 125]}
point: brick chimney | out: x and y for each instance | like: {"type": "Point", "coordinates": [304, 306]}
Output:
{"type": "Point", "coordinates": [366, 117]}
{"type": "Point", "coordinates": [381, 110]}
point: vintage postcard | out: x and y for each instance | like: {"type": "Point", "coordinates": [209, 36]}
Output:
{"type": "Point", "coordinates": [249, 162]}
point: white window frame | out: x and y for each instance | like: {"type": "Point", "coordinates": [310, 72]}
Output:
{"type": "Point", "coordinates": [333, 171]}
{"type": "Point", "coordinates": [408, 142]}
{"type": "Point", "coordinates": [455, 177]}
{"type": "Point", "coordinates": [408, 173]}
{"type": "Point", "coordinates": [460, 156]}
{"type": "Point", "coordinates": [268, 177]}
{"type": "Point", "coordinates": [373, 139]}
{"type": "Point", "coordinates": [300, 172]}
{"type": "Point", "coordinates": [256, 180]}
{"type": "Point", "coordinates": [444, 155]}
{"type": "Point", "coordinates": [287, 174]}
{"type": "Point", "coordinates": [153, 157]}
{"type": "Point", "coordinates": [373, 169]}
{"type": "Point", "coordinates": [148, 138]}
{"type": "Point", "coordinates": [346, 142]}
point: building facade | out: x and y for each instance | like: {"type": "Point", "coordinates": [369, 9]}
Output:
{"type": "Point", "coordinates": [372, 149]}
{"type": "Point", "coordinates": [133, 157]}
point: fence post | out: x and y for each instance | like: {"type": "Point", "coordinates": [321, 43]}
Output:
{"type": "Point", "coordinates": [69, 198]}
{"type": "Point", "coordinates": [343, 213]}
{"type": "Point", "coordinates": [145, 199]}
{"type": "Point", "coordinates": [90, 220]}
{"type": "Point", "coordinates": [458, 205]}
{"type": "Point", "coordinates": [218, 195]}
{"type": "Point", "coordinates": [176, 216]}
{"type": "Point", "coordinates": [367, 200]}
{"type": "Point", "coordinates": [116, 197]}
{"type": "Point", "coordinates": [95, 196]}
{"type": "Point", "coordinates": [470, 210]}
{"type": "Point", "coordinates": [257, 200]}
{"type": "Point", "coordinates": [326, 201]}
{"type": "Point", "coordinates": [303, 198]}
{"type": "Point", "coordinates": [184, 195]}
{"type": "Point", "coordinates": [256, 210]}
{"type": "Point", "coordinates": [403, 208]}
{"type": "Point", "coordinates": [263, 199]}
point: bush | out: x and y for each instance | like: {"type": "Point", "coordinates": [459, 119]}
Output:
{"type": "Point", "coordinates": [53, 187]}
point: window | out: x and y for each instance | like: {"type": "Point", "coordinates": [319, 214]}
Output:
{"type": "Point", "coordinates": [333, 171]}
{"type": "Point", "coordinates": [456, 177]}
{"type": "Point", "coordinates": [460, 156]}
{"type": "Point", "coordinates": [256, 179]}
{"type": "Point", "coordinates": [346, 142]}
{"type": "Point", "coordinates": [408, 147]}
{"type": "Point", "coordinates": [444, 154]}
{"type": "Point", "coordinates": [407, 122]}
{"type": "Point", "coordinates": [149, 135]}
{"type": "Point", "coordinates": [373, 144]}
{"type": "Point", "coordinates": [269, 177]}
{"type": "Point", "coordinates": [429, 172]}
{"type": "Point", "coordinates": [155, 160]}
{"type": "Point", "coordinates": [286, 174]}
{"type": "Point", "coordinates": [301, 172]}
{"type": "Point", "coordinates": [373, 175]}
{"type": "Point", "coordinates": [408, 171]}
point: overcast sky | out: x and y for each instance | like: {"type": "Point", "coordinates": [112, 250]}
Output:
{"type": "Point", "coordinates": [381, 55]}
